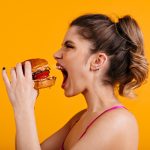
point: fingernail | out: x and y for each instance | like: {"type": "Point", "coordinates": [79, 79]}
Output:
{"type": "Point", "coordinates": [4, 68]}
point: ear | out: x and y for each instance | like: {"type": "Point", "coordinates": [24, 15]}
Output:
{"type": "Point", "coordinates": [97, 61]}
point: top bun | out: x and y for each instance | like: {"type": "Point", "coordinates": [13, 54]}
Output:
{"type": "Point", "coordinates": [37, 63]}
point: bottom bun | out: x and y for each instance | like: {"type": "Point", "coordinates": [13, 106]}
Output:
{"type": "Point", "coordinates": [48, 82]}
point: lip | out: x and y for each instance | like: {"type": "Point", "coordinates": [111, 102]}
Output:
{"type": "Point", "coordinates": [64, 72]}
{"type": "Point", "coordinates": [59, 66]}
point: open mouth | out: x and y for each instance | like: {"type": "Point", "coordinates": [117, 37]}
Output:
{"type": "Point", "coordinates": [64, 72]}
{"type": "Point", "coordinates": [65, 75]}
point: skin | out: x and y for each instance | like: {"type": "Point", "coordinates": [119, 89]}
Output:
{"type": "Point", "coordinates": [115, 130]}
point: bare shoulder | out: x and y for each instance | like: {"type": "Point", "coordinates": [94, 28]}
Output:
{"type": "Point", "coordinates": [118, 117]}
{"type": "Point", "coordinates": [120, 124]}
{"type": "Point", "coordinates": [116, 129]}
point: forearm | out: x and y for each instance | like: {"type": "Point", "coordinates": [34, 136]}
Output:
{"type": "Point", "coordinates": [26, 133]}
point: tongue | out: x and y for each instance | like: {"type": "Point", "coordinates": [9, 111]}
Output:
{"type": "Point", "coordinates": [64, 81]}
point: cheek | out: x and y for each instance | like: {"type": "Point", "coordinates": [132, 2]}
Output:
{"type": "Point", "coordinates": [80, 70]}
{"type": "Point", "coordinates": [77, 65]}
{"type": "Point", "coordinates": [79, 76]}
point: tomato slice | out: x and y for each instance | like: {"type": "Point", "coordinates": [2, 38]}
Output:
{"type": "Point", "coordinates": [42, 75]}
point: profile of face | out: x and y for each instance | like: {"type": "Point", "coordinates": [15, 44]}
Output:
{"type": "Point", "coordinates": [76, 62]}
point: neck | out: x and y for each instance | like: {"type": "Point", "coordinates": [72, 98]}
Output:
{"type": "Point", "coordinates": [99, 98]}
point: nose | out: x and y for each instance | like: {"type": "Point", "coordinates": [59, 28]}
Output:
{"type": "Point", "coordinates": [58, 55]}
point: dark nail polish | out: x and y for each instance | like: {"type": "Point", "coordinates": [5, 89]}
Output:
{"type": "Point", "coordinates": [4, 68]}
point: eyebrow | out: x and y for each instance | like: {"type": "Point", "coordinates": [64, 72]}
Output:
{"type": "Point", "coordinates": [68, 41]}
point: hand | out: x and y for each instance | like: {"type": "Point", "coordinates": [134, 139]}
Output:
{"type": "Point", "coordinates": [20, 90]}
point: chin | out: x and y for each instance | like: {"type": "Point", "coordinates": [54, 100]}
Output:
{"type": "Point", "coordinates": [71, 93]}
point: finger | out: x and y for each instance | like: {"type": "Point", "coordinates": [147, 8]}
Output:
{"type": "Point", "coordinates": [33, 83]}
{"type": "Point", "coordinates": [19, 71]}
{"type": "Point", "coordinates": [13, 75]}
{"type": "Point", "coordinates": [28, 70]}
{"type": "Point", "coordinates": [5, 78]}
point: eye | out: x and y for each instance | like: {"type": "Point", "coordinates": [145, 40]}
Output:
{"type": "Point", "coordinates": [68, 46]}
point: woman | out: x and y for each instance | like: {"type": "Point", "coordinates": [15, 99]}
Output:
{"type": "Point", "coordinates": [97, 55]}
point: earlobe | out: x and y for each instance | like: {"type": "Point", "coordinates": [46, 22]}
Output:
{"type": "Point", "coordinates": [97, 62]}
{"type": "Point", "coordinates": [94, 67]}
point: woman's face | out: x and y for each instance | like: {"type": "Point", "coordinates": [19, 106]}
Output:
{"type": "Point", "coordinates": [72, 60]}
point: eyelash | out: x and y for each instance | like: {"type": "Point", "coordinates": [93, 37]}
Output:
{"type": "Point", "coordinates": [69, 46]}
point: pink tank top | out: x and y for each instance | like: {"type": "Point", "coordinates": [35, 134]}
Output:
{"type": "Point", "coordinates": [112, 108]}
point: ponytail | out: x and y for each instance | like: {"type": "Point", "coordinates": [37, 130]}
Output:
{"type": "Point", "coordinates": [138, 68]}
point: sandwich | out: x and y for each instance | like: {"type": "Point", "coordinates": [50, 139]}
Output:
{"type": "Point", "coordinates": [41, 73]}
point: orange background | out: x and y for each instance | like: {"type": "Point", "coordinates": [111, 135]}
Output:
{"type": "Point", "coordinates": [35, 28]}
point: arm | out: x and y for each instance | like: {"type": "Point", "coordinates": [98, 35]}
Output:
{"type": "Point", "coordinates": [26, 132]}
{"type": "Point", "coordinates": [27, 137]}
{"type": "Point", "coordinates": [22, 96]}
{"type": "Point", "coordinates": [55, 141]}
{"type": "Point", "coordinates": [26, 121]}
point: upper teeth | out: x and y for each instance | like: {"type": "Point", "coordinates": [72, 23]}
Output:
{"type": "Point", "coordinates": [59, 67]}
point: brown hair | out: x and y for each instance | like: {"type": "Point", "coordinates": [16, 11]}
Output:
{"type": "Point", "coordinates": [123, 41]}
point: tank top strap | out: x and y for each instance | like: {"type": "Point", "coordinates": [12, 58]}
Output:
{"type": "Point", "coordinates": [112, 108]}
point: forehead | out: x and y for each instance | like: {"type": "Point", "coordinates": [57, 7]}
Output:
{"type": "Point", "coordinates": [73, 35]}
{"type": "Point", "coordinates": [72, 30]}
